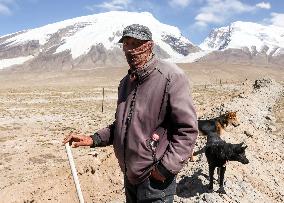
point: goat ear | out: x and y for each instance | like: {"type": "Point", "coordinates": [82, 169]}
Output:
{"type": "Point", "coordinates": [241, 144]}
{"type": "Point", "coordinates": [244, 147]}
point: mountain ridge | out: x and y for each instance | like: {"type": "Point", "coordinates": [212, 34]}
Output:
{"type": "Point", "coordinates": [245, 42]}
{"type": "Point", "coordinates": [239, 35]}
{"type": "Point", "coordinates": [81, 36]}
{"type": "Point", "coordinates": [92, 41]}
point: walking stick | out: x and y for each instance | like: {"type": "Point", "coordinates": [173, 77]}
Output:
{"type": "Point", "coordinates": [74, 172]}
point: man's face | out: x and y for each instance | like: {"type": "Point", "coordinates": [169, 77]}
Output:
{"type": "Point", "coordinates": [131, 43]}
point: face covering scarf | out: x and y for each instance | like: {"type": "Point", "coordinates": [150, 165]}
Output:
{"type": "Point", "coordinates": [136, 58]}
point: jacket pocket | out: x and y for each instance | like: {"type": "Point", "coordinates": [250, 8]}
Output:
{"type": "Point", "coordinates": [155, 141]}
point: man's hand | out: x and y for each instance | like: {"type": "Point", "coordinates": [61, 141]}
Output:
{"type": "Point", "coordinates": [155, 174]}
{"type": "Point", "coordinates": [79, 140]}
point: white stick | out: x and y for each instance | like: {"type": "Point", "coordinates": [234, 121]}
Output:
{"type": "Point", "coordinates": [74, 172]}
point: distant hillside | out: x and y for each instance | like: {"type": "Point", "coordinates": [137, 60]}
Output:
{"type": "Point", "coordinates": [245, 42]}
{"type": "Point", "coordinates": [86, 42]}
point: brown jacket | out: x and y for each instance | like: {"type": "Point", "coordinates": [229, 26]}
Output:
{"type": "Point", "coordinates": [161, 104]}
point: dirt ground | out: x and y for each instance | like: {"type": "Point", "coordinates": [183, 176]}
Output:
{"type": "Point", "coordinates": [38, 109]}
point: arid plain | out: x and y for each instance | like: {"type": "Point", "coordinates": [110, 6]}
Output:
{"type": "Point", "coordinates": [38, 109]}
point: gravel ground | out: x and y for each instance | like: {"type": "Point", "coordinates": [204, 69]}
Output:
{"type": "Point", "coordinates": [35, 118]}
{"type": "Point", "coordinates": [262, 180]}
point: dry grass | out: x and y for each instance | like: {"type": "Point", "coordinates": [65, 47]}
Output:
{"type": "Point", "coordinates": [37, 110]}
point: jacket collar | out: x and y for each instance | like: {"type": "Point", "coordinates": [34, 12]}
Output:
{"type": "Point", "coordinates": [142, 73]}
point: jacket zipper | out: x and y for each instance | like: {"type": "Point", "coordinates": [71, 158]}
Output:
{"type": "Point", "coordinates": [127, 123]}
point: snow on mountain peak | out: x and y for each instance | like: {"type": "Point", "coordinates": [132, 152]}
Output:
{"type": "Point", "coordinates": [245, 34]}
{"type": "Point", "coordinates": [79, 34]}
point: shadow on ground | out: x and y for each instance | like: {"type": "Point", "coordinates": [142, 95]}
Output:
{"type": "Point", "coordinates": [191, 186]}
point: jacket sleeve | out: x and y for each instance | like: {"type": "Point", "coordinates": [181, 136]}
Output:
{"type": "Point", "coordinates": [104, 137]}
{"type": "Point", "coordinates": [183, 124]}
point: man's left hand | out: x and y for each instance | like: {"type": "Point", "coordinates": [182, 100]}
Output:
{"type": "Point", "coordinates": [157, 175]}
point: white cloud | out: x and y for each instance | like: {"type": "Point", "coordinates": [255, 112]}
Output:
{"type": "Point", "coordinates": [263, 5]}
{"type": "Point", "coordinates": [111, 5]}
{"type": "Point", "coordinates": [182, 3]}
{"type": "Point", "coordinates": [208, 18]}
{"type": "Point", "coordinates": [219, 11]}
{"type": "Point", "coordinates": [199, 24]}
{"type": "Point", "coordinates": [5, 6]}
{"type": "Point", "coordinates": [7, 1]}
{"type": "Point", "coordinates": [277, 19]}
{"type": "Point", "coordinates": [4, 10]}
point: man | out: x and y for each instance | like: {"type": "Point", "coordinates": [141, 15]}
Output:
{"type": "Point", "coordinates": [155, 125]}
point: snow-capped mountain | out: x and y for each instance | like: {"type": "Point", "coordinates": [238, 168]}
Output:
{"type": "Point", "coordinates": [87, 41]}
{"type": "Point", "coordinates": [92, 41]}
{"type": "Point", "coordinates": [246, 41]}
{"type": "Point", "coordinates": [246, 35]}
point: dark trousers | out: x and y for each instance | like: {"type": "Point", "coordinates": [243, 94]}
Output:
{"type": "Point", "coordinates": [150, 191]}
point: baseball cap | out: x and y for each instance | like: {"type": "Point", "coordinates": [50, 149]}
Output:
{"type": "Point", "coordinates": [136, 31]}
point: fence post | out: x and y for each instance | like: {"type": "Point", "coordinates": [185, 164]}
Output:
{"type": "Point", "coordinates": [103, 99]}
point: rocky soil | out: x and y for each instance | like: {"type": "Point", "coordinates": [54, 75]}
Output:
{"type": "Point", "coordinates": [257, 104]}
{"type": "Point", "coordinates": [34, 118]}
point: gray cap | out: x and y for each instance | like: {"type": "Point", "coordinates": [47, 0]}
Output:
{"type": "Point", "coordinates": [136, 31]}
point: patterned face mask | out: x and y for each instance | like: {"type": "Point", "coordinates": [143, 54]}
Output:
{"type": "Point", "coordinates": [139, 56]}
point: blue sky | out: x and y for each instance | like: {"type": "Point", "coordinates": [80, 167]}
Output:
{"type": "Point", "coordinates": [195, 18]}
